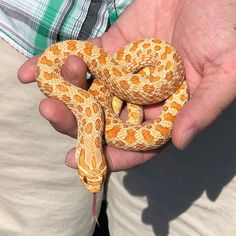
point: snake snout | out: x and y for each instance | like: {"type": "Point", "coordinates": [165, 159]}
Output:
{"type": "Point", "coordinates": [93, 180]}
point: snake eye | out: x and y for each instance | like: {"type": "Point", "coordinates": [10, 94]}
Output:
{"type": "Point", "coordinates": [85, 180]}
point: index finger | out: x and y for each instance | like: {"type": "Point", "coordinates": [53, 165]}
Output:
{"type": "Point", "coordinates": [74, 70]}
{"type": "Point", "coordinates": [26, 73]}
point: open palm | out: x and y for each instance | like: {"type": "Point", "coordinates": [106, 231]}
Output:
{"type": "Point", "coordinates": [203, 32]}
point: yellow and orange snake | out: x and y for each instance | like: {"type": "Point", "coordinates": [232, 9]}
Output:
{"type": "Point", "coordinates": [144, 72]}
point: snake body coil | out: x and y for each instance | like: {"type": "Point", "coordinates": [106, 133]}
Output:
{"type": "Point", "coordinates": [144, 72]}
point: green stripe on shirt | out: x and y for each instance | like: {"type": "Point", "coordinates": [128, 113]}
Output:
{"type": "Point", "coordinates": [30, 26]}
{"type": "Point", "coordinates": [41, 39]}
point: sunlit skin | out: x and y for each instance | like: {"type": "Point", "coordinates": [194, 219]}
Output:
{"type": "Point", "coordinates": [204, 33]}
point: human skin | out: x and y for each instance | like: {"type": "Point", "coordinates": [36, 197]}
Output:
{"type": "Point", "coordinates": [203, 32]}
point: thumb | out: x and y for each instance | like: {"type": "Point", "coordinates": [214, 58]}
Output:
{"type": "Point", "coordinates": [216, 91]}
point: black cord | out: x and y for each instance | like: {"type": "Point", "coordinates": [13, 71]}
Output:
{"type": "Point", "coordinates": [114, 2]}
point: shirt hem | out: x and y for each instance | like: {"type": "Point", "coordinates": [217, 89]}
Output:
{"type": "Point", "coordinates": [15, 45]}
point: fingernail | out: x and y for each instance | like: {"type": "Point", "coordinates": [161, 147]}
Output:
{"type": "Point", "coordinates": [187, 138]}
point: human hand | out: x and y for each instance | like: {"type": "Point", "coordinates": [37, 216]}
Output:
{"type": "Point", "coordinates": [203, 33]}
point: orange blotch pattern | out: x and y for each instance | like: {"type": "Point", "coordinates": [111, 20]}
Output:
{"type": "Point", "coordinates": [163, 130]}
{"type": "Point", "coordinates": [108, 121]}
{"type": "Point", "coordinates": [164, 88]}
{"type": "Point", "coordinates": [45, 61]}
{"type": "Point", "coordinates": [66, 99]}
{"type": "Point", "coordinates": [130, 136]}
{"type": "Point", "coordinates": [168, 65]}
{"type": "Point", "coordinates": [102, 58]}
{"type": "Point", "coordinates": [98, 142]}
{"type": "Point", "coordinates": [112, 133]}
{"type": "Point", "coordinates": [134, 47]}
{"type": "Point", "coordinates": [66, 54]}
{"type": "Point", "coordinates": [48, 88]}
{"type": "Point", "coordinates": [49, 76]}
{"type": "Point", "coordinates": [175, 105]}
{"type": "Point", "coordinates": [168, 50]}
{"type": "Point", "coordinates": [55, 50]}
{"type": "Point", "coordinates": [84, 93]}
{"type": "Point", "coordinates": [148, 88]}
{"type": "Point", "coordinates": [57, 61]}
{"type": "Point", "coordinates": [135, 80]}
{"type": "Point", "coordinates": [154, 79]}
{"type": "Point", "coordinates": [82, 140]}
{"type": "Point", "coordinates": [78, 98]}
{"type": "Point", "coordinates": [95, 93]}
{"type": "Point", "coordinates": [116, 72]}
{"type": "Point", "coordinates": [163, 56]}
{"type": "Point", "coordinates": [62, 88]}
{"type": "Point", "coordinates": [88, 128]}
{"type": "Point", "coordinates": [139, 53]}
{"type": "Point", "coordinates": [84, 122]}
{"type": "Point", "coordinates": [160, 68]}
{"type": "Point", "coordinates": [71, 45]}
{"type": "Point", "coordinates": [97, 124]}
{"type": "Point", "coordinates": [128, 58]}
{"type": "Point", "coordinates": [94, 162]}
{"type": "Point", "coordinates": [81, 161]}
{"type": "Point", "coordinates": [79, 108]}
{"type": "Point", "coordinates": [95, 107]}
{"type": "Point", "coordinates": [169, 76]}
{"type": "Point", "coordinates": [88, 111]}
{"type": "Point", "coordinates": [88, 49]}
{"type": "Point", "coordinates": [106, 73]}
{"type": "Point", "coordinates": [147, 136]}
{"type": "Point", "coordinates": [124, 84]}
{"type": "Point", "coordinates": [165, 108]}
{"type": "Point", "coordinates": [142, 73]}
{"type": "Point", "coordinates": [94, 63]}
{"type": "Point", "coordinates": [169, 117]}
{"type": "Point", "coordinates": [146, 45]}
{"type": "Point", "coordinates": [151, 69]}
{"type": "Point", "coordinates": [120, 54]}
{"type": "Point", "coordinates": [183, 97]}
{"type": "Point", "coordinates": [157, 48]}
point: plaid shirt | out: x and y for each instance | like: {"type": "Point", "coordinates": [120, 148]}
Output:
{"type": "Point", "coordinates": [31, 26]}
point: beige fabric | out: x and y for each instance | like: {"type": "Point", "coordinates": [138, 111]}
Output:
{"type": "Point", "coordinates": [177, 193]}
{"type": "Point", "coordinates": [39, 196]}
{"type": "Point", "coordinates": [187, 193]}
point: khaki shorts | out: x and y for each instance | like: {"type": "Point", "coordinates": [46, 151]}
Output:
{"type": "Point", "coordinates": [39, 195]}
{"type": "Point", "coordinates": [178, 193]}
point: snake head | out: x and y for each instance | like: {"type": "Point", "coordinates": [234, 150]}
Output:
{"type": "Point", "coordinates": [93, 176]}
{"type": "Point", "coordinates": [93, 180]}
